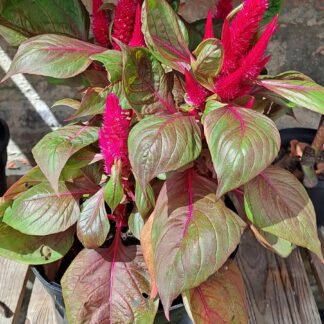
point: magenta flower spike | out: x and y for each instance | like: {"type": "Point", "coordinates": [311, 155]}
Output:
{"type": "Point", "coordinates": [237, 36]}
{"type": "Point", "coordinates": [196, 94]}
{"type": "Point", "coordinates": [209, 30]}
{"type": "Point", "coordinates": [124, 21]}
{"type": "Point", "coordinates": [100, 24]}
{"type": "Point", "coordinates": [114, 134]}
{"type": "Point", "coordinates": [239, 82]}
{"type": "Point", "coordinates": [223, 8]}
{"type": "Point", "coordinates": [138, 37]}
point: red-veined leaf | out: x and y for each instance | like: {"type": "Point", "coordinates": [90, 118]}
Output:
{"type": "Point", "coordinates": [242, 143]}
{"type": "Point", "coordinates": [109, 286]}
{"type": "Point", "coordinates": [52, 55]}
{"type": "Point", "coordinates": [193, 234]}
{"type": "Point", "coordinates": [93, 225]}
{"type": "Point", "coordinates": [53, 150]}
{"type": "Point", "coordinates": [220, 299]}
{"type": "Point", "coordinates": [277, 203]}
{"type": "Point", "coordinates": [159, 144]}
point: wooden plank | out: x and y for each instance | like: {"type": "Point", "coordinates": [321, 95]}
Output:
{"type": "Point", "coordinates": [317, 265]}
{"type": "Point", "coordinates": [41, 308]}
{"type": "Point", "coordinates": [271, 286]}
{"type": "Point", "coordinates": [13, 278]}
{"type": "Point", "coordinates": [304, 297]}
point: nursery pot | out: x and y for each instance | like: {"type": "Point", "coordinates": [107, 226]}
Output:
{"type": "Point", "coordinates": [55, 291]}
{"type": "Point", "coordinates": [316, 194]}
{"type": "Point", "coordinates": [178, 314]}
{"type": "Point", "coordinates": [4, 139]}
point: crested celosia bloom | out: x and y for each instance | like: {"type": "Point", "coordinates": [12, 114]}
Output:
{"type": "Point", "coordinates": [196, 94]}
{"type": "Point", "coordinates": [223, 8]}
{"type": "Point", "coordinates": [114, 134]}
{"type": "Point", "coordinates": [124, 21]}
{"type": "Point", "coordinates": [209, 30]}
{"type": "Point", "coordinates": [100, 24]}
{"type": "Point", "coordinates": [242, 64]}
{"type": "Point", "coordinates": [138, 37]}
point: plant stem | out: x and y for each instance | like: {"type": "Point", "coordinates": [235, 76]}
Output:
{"type": "Point", "coordinates": [310, 156]}
{"type": "Point", "coordinates": [307, 163]}
{"type": "Point", "coordinates": [318, 141]}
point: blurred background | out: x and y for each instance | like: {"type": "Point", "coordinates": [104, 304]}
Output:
{"type": "Point", "coordinates": [298, 45]}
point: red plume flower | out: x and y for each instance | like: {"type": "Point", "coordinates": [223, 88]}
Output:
{"type": "Point", "coordinates": [237, 36]}
{"type": "Point", "coordinates": [138, 37]}
{"type": "Point", "coordinates": [240, 82]}
{"type": "Point", "coordinates": [223, 8]}
{"type": "Point", "coordinates": [209, 30]}
{"type": "Point", "coordinates": [196, 94]}
{"type": "Point", "coordinates": [124, 21]}
{"type": "Point", "coordinates": [114, 134]}
{"type": "Point", "coordinates": [100, 24]}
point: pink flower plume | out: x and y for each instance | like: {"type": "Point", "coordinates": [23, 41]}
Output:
{"type": "Point", "coordinates": [124, 21]}
{"type": "Point", "coordinates": [239, 34]}
{"type": "Point", "coordinates": [113, 135]}
{"type": "Point", "coordinates": [196, 94]}
{"type": "Point", "coordinates": [209, 29]}
{"type": "Point", "coordinates": [223, 8]}
{"type": "Point", "coordinates": [239, 82]}
{"type": "Point", "coordinates": [138, 37]}
{"type": "Point", "coordinates": [100, 24]}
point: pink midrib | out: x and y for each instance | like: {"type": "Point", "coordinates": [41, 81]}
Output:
{"type": "Point", "coordinates": [190, 205]}
{"type": "Point", "coordinates": [288, 85]}
{"type": "Point", "coordinates": [73, 49]}
{"type": "Point", "coordinates": [238, 116]}
{"type": "Point", "coordinates": [113, 264]}
{"type": "Point", "coordinates": [171, 109]}
{"type": "Point", "coordinates": [206, 307]}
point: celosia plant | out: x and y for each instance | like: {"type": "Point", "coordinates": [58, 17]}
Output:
{"type": "Point", "coordinates": [163, 133]}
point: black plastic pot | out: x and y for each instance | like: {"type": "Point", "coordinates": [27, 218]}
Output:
{"type": "Point", "coordinates": [178, 314]}
{"type": "Point", "coordinates": [316, 194]}
{"type": "Point", "coordinates": [55, 292]}
{"type": "Point", "coordinates": [4, 139]}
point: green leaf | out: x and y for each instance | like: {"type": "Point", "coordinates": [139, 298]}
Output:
{"type": "Point", "coordinates": [277, 203]}
{"type": "Point", "coordinates": [144, 82]}
{"type": "Point", "coordinates": [11, 36]}
{"type": "Point", "coordinates": [273, 242]}
{"type": "Point", "coordinates": [210, 106]}
{"type": "Point", "coordinates": [113, 63]}
{"type": "Point", "coordinates": [30, 179]}
{"type": "Point", "coordinates": [52, 55]}
{"type": "Point", "coordinates": [136, 224]}
{"type": "Point", "coordinates": [40, 211]}
{"type": "Point", "coordinates": [209, 61]}
{"type": "Point", "coordinates": [242, 143]}
{"type": "Point", "coordinates": [107, 286]}
{"type": "Point", "coordinates": [220, 299]}
{"type": "Point", "coordinates": [193, 234]}
{"type": "Point", "coordinates": [162, 144]}
{"type": "Point", "coordinates": [114, 189]}
{"type": "Point", "coordinates": [53, 151]}
{"type": "Point", "coordinates": [145, 202]}
{"type": "Point", "coordinates": [164, 36]}
{"type": "Point", "coordinates": [93, 103]}
{"type": "Point", "coordinates": [4, 204]}
{"type": "Point", "coordinates": [306, 94]}
{"type": "Point", "coordinates": [93, 225]}
{"type": "Point", "coordinates": [72, 103]}
{"type": "Point", "coordinates": [269, 241]}
{"type": "Point", "coordinates": [45, 17]}
{"type": "Point", "coordinates": [274, 8]}
{"type": "Point", "coordinates": [20, 247]}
